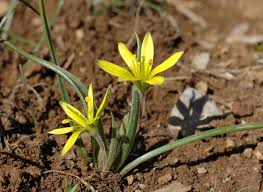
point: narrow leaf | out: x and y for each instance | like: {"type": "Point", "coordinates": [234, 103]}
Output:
{"type": "Point", "coordinates": [77, 85]}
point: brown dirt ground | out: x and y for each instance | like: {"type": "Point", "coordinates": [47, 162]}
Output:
{"type": "Point", "coordinates": [29, 152]}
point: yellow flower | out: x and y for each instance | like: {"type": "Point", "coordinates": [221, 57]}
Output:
{"type": "Point", "coordinates": [80, 122]}
{"type": "Point", "coordinates": [142, 74]}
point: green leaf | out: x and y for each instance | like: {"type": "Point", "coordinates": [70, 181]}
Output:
{"type": "Point", "coordinates": [113, 150]}
{"type": "Point", "coordinates": [139, 45]}
{"type": "Point", "coordinates": [62, 86]}
{"type": "Point", "coordinates": [7, 20]}
{"type": "Point", "coordinates": [77, 85]}
{"type": "Point", "coordinates": [29, 6]}
{"type": "Point", "coordinates": [187, 140]}
{"type": "Point", "coordinates": [131, 128]}
{"type": "Point", "coordinates": [18, 38]}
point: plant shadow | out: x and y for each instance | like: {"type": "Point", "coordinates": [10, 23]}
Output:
{"type": "Point", "coordinates": [192, 116]}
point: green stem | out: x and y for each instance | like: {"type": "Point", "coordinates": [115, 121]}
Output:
{"type": "Point", "coordinates": [131, 130]}
{"type": "Point", "coordinates": [138, 41]}
{"type": "Point", "coordinates": [102, 156]}
{"type": "Point", "coordinates": [113, 147]}
{"type": "Point", "coordinates": [187, 140]}
{"type": "Point", "coordinates": [62, 86]}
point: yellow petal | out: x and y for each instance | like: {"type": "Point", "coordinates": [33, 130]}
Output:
{"type": "Point", "coordinates": [127, 79]}
{"type": "Point", "coordinates": [63, 130]}
{"type": "Point", "coordinates": [72, 139]}
{"type": "Point", "coordinates": [147, 51]}
{"type": "Point", "coordinates": [115, 70]}
{"type": "Point", "coordinates": [157, 80]}
{"type": "Point", "coordinates": [73, 113]}
{"type": "Point", "coordinates": [91, 102]}
{"type": "Point", "coordinates": [171, 61]}
{"type": "Point", "coordinates": [128, 57]}
{"type": "Point", "coordinates": [66, 121]}
{"type": "Point", "coordinates": [104, 102]}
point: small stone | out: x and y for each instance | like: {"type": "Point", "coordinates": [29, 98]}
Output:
{"type": "Point", "coordinates": [230, 143]}
{"type": "Point", "coordinates": [258, 155]}
{"type": "Point", "coordinates": [202, 87]}
{"type": "Point", "coordinates": [165, 178]}
{"type": "Point", "coordinates": [79, 34]}
{"type": "Point", "coordinates": [130, 179]}
{"type": "Point", "coordinates": [246, 84]}
{"type": "Point", "coordinates": [36, 22]}
{"type": "Point", "coordinates": [20, 117]}
{"type": "Point", "coordinates": [142, 186]}
{"type": "Point", "coordinates": [201, 170]}
{"type": "Point", "coordinates": [174, 161]}
{"type": "Point", "coordinates": [175, 187]}
{"type": "Point", "coordinates": [248, 152]}
{"type": "Point", "coordinates": [3, 7]}
{"type": "Point", "coordinates": [209, 149]}
{"type": "Point", "coordinates": [227, 179]}
{"type": "Point", "coordinates": [259, 147]}
{"type": "Point", "coordinates": [201, 61]}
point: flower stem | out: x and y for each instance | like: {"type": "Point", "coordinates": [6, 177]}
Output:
{"type": "Point", "coordinates": [131, 129]}
{"type": "Point", "coordinates": [188, 140]}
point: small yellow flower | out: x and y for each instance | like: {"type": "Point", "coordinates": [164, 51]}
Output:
{"type": "Point", "coordinates": [142, 74]}
{"type": "Point", "coordinates": [80, 122]}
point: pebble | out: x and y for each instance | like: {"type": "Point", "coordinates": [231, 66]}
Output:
{"type": "Point", "coordinates": [175, 186]}
{"type": "Point", "coordinates": [230, 143]}
{"type": "Point", "coordinates": [259, 147]}
{"type": "Point", "coordinates": [209, 149]}
{"type": "Point", "coordinates": [165, 178]}
{"type": "Point", "coordinates": [202, 87]}
{"type": "Point", "coordinates": [79, 34]}
{"type": "Point", "coordinates": [248, 152]}
{"type": "Point", "coordinates": [36, 22]}
{"type": "Point", "coordinates": [142, 186]}
{"type": "Point", "coordinates": [258, 152]}
{"type": "Point", "coordinates": [227, 179]}
{"type": "Point", "coordinates": [130, 179]}
{"type": "Point", "coordinates": [258, 155]}
{"type": "Point", "coordinates": [201, 170]}
{"type": "Point", "coordinates": [3, 7]}
{"type": "Point", "coordinates": [201, 61]}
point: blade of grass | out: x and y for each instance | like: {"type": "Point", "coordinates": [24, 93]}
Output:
{"type": "Point", "coordinates": [24, 81]}
{"type": "Point", "coordinates": [29, 6]}
{"type": "Point", "coordinates": [22, 76]}
{"type": "Point", "coordinates": [132, 126]}
{"type": "Point", "coordinates": [52, 22]}
{"type": "Point", "coordinates": [19, 38]}
{"type": "Point", "coordinates": [138, 53]}
{"type": "Point", "coordinates": [77, 85]}
{"type": "Point", "coordinates": [187, 140]}
{"type": "Point", "coordinates": [8, 19]}
{"type": "Point", "coordinates": [113, 150]}
{"type": "Point", "coordinates": [62, 86]}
